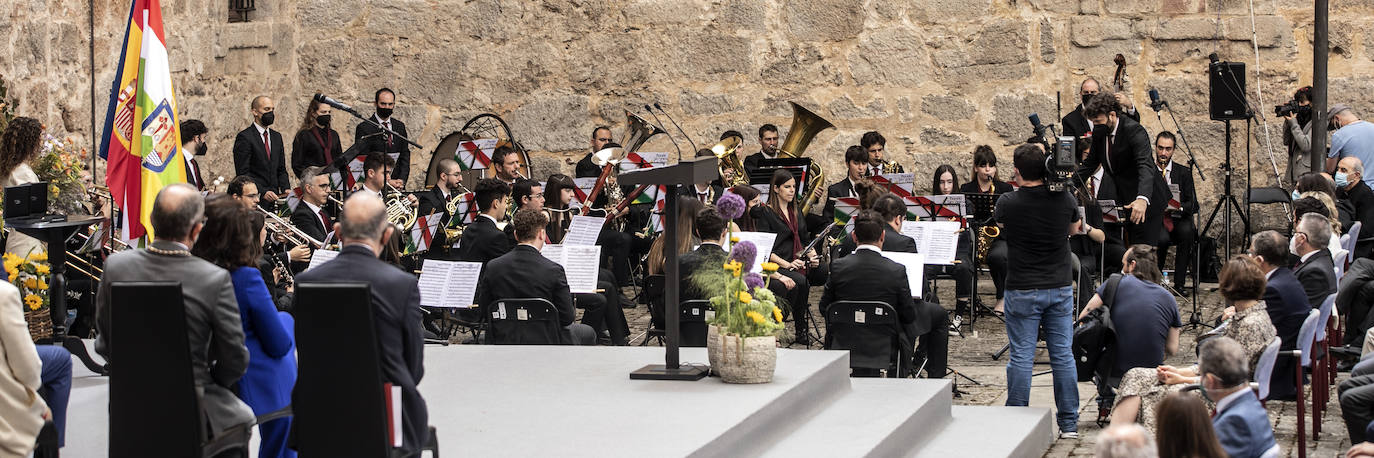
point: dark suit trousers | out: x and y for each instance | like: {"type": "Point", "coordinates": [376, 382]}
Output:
{"type": "Point", "coordinates": [933, 345]}
{"type": "Point", "coordinates": [1355, 299]}
{"type": "Point", "coordinates": [1184, 236]}
{"type": "Point", "coordinates": [797, 298]}
{"type": "Point", "coordinates": [997, 265]}
{"type": "Point", "coordinates": [616, 245]}
{"type": "Point", "coordinates": [1356, 396]}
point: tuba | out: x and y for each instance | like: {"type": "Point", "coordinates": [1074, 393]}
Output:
{"type": "Point", "coordinates": [637, 131]}
{"type": "Point", "coordinates": [726, 152]}
{"type": "Point", "coordinates": [805, 126]}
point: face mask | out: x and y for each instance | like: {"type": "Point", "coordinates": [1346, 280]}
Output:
{"type": "Point", "coordinates": [202, 149]}
{"type": "Point", "coordinates": [322, 120]}
{"type": "Point", "coordinates": [1101, 130]}
{"type": "Point", "coordinates": [1293, 245]}
{"type": "Point", "coordinates": [756, 212]}
{"type": "Point", "coordinates": [1304, 115]}
{"type": "Point", "coordinates": [1086, 98]}
{"type": "Point", "coordinates": [1296, 196]}
{"type": "Point", "coordinates": [384, 113]}
{"type": "Point", "coordinates": [1342, 179]}
{"type": "Point", "coordinates": [267, 118]}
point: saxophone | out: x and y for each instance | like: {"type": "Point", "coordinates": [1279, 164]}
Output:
{"type": "Point", "coordinates": [986, 235]}
{"type": "Point", "coordinates": [452, 233]}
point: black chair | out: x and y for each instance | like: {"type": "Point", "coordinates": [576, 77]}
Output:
{"type": "Point", "coordinates": [1270, 195]}
{"type": "Point", "coordinates": [155, 409]}
{"type": "Point", "coordinates": [524, 321]}
{"type": "Point", "coordinates": [653, 289]}
{"type": "Point", "coordinates": [692, 322]}
{"type": "Point", "coordinates": [339, 400]}
{"type": "Point", "coordinates": [872, 333]}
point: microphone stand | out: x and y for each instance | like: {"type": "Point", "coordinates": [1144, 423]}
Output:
{"type": "Point", "coordinates": [670, 136]}
{"type": "Point", "coordinates": [350, 110]}
{"type": "Point", "coordinates": [679, 129]}
{"type": "Point", "coordinates": [1194, 319]}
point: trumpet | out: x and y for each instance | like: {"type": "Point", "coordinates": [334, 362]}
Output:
{"type": "Point", "coordinates": [284, 229]}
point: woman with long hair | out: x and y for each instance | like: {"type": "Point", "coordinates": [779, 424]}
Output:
{"type": "Point", "coordinates": [752, 201]}
{"type": "Point", "coordinates": [316, 143]}
{"type": "Point", "coordinates": [559, 193]}
{"type": "Point", "coordinates": [19, 145]}
{"type": "Point", "coordinates": [944, 182]}
{"type": "Point", "coordinates": [985, 181]}
{"type": "Point", "coordinates": [1185, 428]}
{"type": "Point", "coordinates": [687, 209]}
{"type": "Point", "coordinates": [782, 217]}
{"type": "Point", "coordinates": [232, 239]}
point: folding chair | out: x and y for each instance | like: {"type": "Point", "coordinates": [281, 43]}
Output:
{"type": "Point", "coordinates": [1269, 195]}
{"type": "Point", "coordinates": [872, 333]}
{"type": "Point", "coordinates": [1326, 329]}
{"type": "Point", "coordinates": [1307, 340]}
{"type": "Point", "coordinates": [1264, 370]}
{"type": "Point", "coordinates": [692, 322]}
{"type": "Point", "coordinates": [155, 407]}
{"type": "Point", "coordinates": [340, 415]}
{"type": "Point", "coordinates": [524, 321]}
{"type": "Point", "coordinates": [653, 288]}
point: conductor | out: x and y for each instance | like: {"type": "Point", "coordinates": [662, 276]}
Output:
{"type": "Point", "coordinates": [1122, 147]}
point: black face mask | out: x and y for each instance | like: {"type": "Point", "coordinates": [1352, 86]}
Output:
{"type": "Point", "coordinates": [757, 212]}
{"type": "Point", "coordinates": [1101, 130]}
{"type": "Point", "coordinates": [202, 149]}
{"type": "Point", "coordinates": [322, 120]}
{"type": "Point", "coordinates": [1086, 98]}
{"type": "Point", "coordinates": [267, 118]}
{"type": "Point", "coordinates": [1304, 115]}
{"type": "Point", "coordinates": [384, 113]}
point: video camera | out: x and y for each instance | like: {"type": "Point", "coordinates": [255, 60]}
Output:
{"type": "Point", "coordinates": [1061, 156]}
{"type": "Point", "coordinates": [1292, 107]}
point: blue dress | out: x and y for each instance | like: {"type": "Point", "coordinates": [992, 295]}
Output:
{"type": "Point", "coordinates": [269, 336]}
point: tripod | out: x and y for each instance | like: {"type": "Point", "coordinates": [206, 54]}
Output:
{"type": "Point", "coordinates": [1194, 317]}
{"type": "Point", "coordinates": [1228, 197]}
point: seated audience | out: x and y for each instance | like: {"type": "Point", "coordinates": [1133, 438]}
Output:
{"type": "Point", "coordinates": [1285, 301]}
{"type": "Point", "coordinates": [230, 240]}
{"type": "Point", "coordinates": [1314, 270]}
{"type": "Point", "coordinates": [524, 272]}
{"type": "Point", "coordinates": [1321, 204]}
{"type": "Point", "coordinates": [1242, 287]}
{"type": "Point", "coordinates": [1356, 396]}
{"type": "Point", "coordinates": [22, 410]}
{"type": "Point", "coordinates": [1152, 314]}
{"type": "Point", "coordinates": [1354, 193]}
{"type": "Point", "coordinates": [1241, 423]}
{"type": "Point", "coordinates": [1124, 441]}
{"type": "Point", "coordinates": [1185, 428]}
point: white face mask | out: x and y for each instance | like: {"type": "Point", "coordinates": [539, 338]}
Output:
{"type": "Point", "coordinates": [1293, 245]}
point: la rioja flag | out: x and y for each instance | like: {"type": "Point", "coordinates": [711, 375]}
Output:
{"type": "Point", "coordinates": [142, 138]}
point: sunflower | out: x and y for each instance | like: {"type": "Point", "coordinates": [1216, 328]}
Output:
{"type": "Point", "coordinates": [769, 267]}
{"type": "Point", "coordinates": [758, 319]}
{"type": "Point", "coordinates": [744, 297]}
{"type": "Point", "coordinates": [734, 239]}
{"type": "Point", "coordinates": [777, 314]}
{"type": "Point", "coordinates": [34, 301]}
{"type": "Point", "coordinates": [42, 269]}
{"type": "Point", "coordinates": [40, 256]}
{"type": "Point", "coordinates": [31, 283]}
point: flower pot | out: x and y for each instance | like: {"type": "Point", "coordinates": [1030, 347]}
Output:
{"type": "Point", "coordinates": [713, 341]}
{"type": "Point", "coordinates": [747, 360]}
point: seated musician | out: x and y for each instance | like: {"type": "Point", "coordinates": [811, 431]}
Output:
{"type": "Point", "coordinates": [524, 272]}
{"type": "Point", "coordinates": [943, 184]}
{"type": "Point", "coordinates": [710, 228]}
{"type": "Point", "coordinates": [309, 217]}
{"type": "Point", "coordinates": [709, 191]}
{"type": "Point", "coordinates": [244, 190]}
{"type": "Point", "coordinates": [436, 200]}
{"type": "Point", "coordinates": [876, 146]}
{"type": "Point", "coordinates": [616, 244]}
{"type": "Point", "coordinates": [729, 176]}
{"type": "Point", "coordinates": [483, 240]}
{"type": "Point", "coordinates": [506, 164]}
{"type": "Point", "coordinates": [768, 148]}
{"type": "Point", "coordinates": [687, 209]}
{"type": "Point", "coordinates": [868, 276]}
{"type": "Point", "coordinates": [753, 200]}
{"type": "Point", "coordinates": [986, 182]}
{"type": "Point", "coordinates": [376, 168]}
{"type": "Point", "coordinates": [527, 193]}
{"type": "Point", "coordinates": [559, 192]}
{"type": "Point", "coordinates": [1179, 229]}
{"type": "Point", "coordinates": [856, 164]}
{"type": "Point", "coordinates": [1099, 187]}
{"type": "Point", "coordinates": [608, 322]}
{"type": "Point", "coordinates": [782, 217]}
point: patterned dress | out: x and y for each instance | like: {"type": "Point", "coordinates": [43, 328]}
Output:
{"type": "Point", "coordinates": [1250, 327]}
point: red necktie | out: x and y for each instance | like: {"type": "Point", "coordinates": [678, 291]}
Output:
{"type": "Point", "coordinates": [267, 145]}
{"type": "Point", "coordinates": [387, 123]}
{"type": "Point", "coordinates": [324, 218]}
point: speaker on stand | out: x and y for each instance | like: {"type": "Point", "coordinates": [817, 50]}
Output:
{"type": "Point", "coordinates": [1226, 102]}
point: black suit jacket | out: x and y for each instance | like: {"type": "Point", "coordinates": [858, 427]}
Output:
{"type": "Point", "coordinates": [782, 244]}
{"type": "Point", "coordinates": [1182, 175]}
{"type": "Point", "coordinates": [375, 141]}
{"type": "Point", "coordinates": [868, 276]}
{"type": "Point", "coordinates": [306, 150]}
{"type": "Point", "coordinates": [1317, 276]}
{"type": "Point", "coordinates": [1075, 124]}
{"type": "Point", "coordinates": [524, 272]}
{"type": "Point", "coordinates": [396, 319]}
{"type": "Point", "coordinates": [691, 191]}
{"type": "Point", "coordinates": [432, 202]}
{"type": "Point", "coordinates": [250, 158]}
{"type": "Point", "coordinates": [707, 254]}
{"type": "Point", "coordinates": [892, 241]}
{"type": "Point", "coordinates": [751, 162]}
{"type": "Point", "coordinates": [842, 188]}
{"type": "Point", "coordinates": [309, 222]}
{"type": "Point", "coordinates": [1131, 165]}
{"type": "Point", "coordinates": [482, 242]}
{"type": "Point", "coordinates": [1361, 200]}
{"type": "Point", "coordinates": [1286, 303]}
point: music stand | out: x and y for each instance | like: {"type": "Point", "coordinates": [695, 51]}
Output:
{"type": "Point", "coordinates": [55, 230]}
{"type": "Point", "coordinates": [684, 173]}
{"type": "Point", "coordinates": [797, 165]}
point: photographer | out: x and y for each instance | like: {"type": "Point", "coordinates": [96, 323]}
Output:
{"type": "Point", "coordinates": [1036, 223]}
{"type": "Point", "coordinates": [1297, 128]}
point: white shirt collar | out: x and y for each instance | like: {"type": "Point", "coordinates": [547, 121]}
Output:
{"type": "Point", "coordinates": [493, 219]}
{"type": "Point", "coordinates": [1268, 274]}
{"type": "Point", "coordinates": [261, 129]}
{"type": "Point", "coordinates": [1117, 126]}
{"type": "Point", "coordinates": [375, 191]}
{"type": "Point", "coordinates": [379, 118]}
{"type": "Point", "coordinates": [708, 242]}
{"type": "Point", "coordinates": [315, 209]}
{"type": "Point", "coordinates": [873, 248]}
{"type": "Point", "coordinates": [1309, 255]}
{"type": "Point", "coordinates": [1232, 398]}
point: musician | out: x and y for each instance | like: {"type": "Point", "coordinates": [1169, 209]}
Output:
{"type": "Point", "coordinates": [483, 240]}
{"type": "Point", "coordinates": [395, 300]}
{"type": "Point", "coordinates": [376, 169]}
{"type": "Point", "coordinates": [524, 272]}
{"type": "Point", "coordinates": [374, 139]}
{"type": "Point", "coordinates": [506, 163]}
{"type": "Point", "coordinates": [893, 211]}
{"type": "Point", "coordinates": [782, 217]}
{"type": "Point", "coordinates": [986, 182]}
{"type": "Point", "coordinates": [608, 322]}
{"type": "Point", "coordinates": [1099, 187]}
{"type": "Point", "coordinates": [707, 192]}
{"type": "Point", "coordinates": [616, 245]}
{"type": "Point", "coordinates": [754, 200]}
{"type": "Point", "coordinates": [1122, 147]}
{"type": "Point", "coordinates": [1075, 124]}
{"type": "Point", "coordinates": [856, 160]}
{"type": "Point", "coordinates": [1178, 226]}
{"type": "Point", "coordinates": [445, 189]}
{"type": "Point", "coordinates": [558, 196]}
{"type": "Point", "coordinates": [687, 209]}
{"type": "Point", "coordinates": [709, 227]}
{"type": "Point", "coordinates": [527, 193]}
{"type": "Point", "coordinates": [316, 143]}
{"type": "Point", "coordinates": [768, 144]}
{"type": "Point", "coordinates": [244, 190]}
{"type": "Point", "coordinates": [729, 173]}
{"type": "Point", "coordinates": [942, 184]}
{"type": "Point", "coordinates": [193, 137]}
{"type": "Point", "coordinates": [876, 145]}
{"type": "Point", "coordinates": [310, 216]}
{"type": "Point", "coordinates": [260, 154]}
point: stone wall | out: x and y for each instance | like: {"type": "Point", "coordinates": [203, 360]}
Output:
{"type": "Point", "coordinates": [937, 77]}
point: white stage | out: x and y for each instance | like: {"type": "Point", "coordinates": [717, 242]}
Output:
{"type": "Point", "coordinates": [576, 401]}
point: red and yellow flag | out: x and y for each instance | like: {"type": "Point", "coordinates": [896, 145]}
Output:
{"type": "Point", "coordinates": [142, 141]}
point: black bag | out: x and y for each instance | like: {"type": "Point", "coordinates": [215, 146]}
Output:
{"type": "Point", "coordinates": [1210, 263]}
{"type": "Point", "coordinates": [1094, 339]}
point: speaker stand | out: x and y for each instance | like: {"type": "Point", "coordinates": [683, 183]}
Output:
{"type": "Point", "coordinates": [1228, 202]}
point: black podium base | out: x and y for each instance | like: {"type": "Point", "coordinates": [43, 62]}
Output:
{"type": "Point", "coordinates": [662, 372]}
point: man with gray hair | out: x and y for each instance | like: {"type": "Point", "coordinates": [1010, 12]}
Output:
{"type": "Point", "coordinates": [1241, 423]}
{"type": "Point", "coordinates": [1125, 440]}
{"type": "Point", "coordinates": [213, 329]}
{"type": "Point", "coordinates": [1351, 137]}
{"type": "Point", "coordinates": [1284, 300]}
{"type": "Point", "coordinates": [395, 295]}
{"type": "Point", "coordinates": [1315, 269]}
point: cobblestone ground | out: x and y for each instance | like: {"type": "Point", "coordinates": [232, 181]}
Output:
{"type": "Point", "coordinates": [972, 356]}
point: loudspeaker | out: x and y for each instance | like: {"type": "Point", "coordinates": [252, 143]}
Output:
{"type": "Point", "coordinates": [1226, 92]}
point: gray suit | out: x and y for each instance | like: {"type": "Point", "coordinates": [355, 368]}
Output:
{"type": "Point", "coordinates": [214, 330]}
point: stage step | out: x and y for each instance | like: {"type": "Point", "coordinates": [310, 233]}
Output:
{"type": "Point", "coordinates": [877, 417]}
{"type": "Point", "coordinates": [993, 431]}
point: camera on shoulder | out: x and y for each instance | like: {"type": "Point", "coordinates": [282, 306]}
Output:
{"type": "Point", "coordinates": [1292, 107]}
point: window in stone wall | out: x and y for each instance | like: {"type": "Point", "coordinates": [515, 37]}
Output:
{"type": "Point", "coordinates": [239, 9]}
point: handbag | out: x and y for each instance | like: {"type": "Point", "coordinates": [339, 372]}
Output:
{"type": "Point", "coordinates": [1094, 338]}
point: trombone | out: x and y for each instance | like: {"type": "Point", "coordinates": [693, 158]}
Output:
{"type": "Point", "coordinates": [287, 231]}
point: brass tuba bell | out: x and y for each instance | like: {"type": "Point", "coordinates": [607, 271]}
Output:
{"type": "Point", "coordinates": [730, 162]}
{"type": "Point", "coordinates": [805, 126]}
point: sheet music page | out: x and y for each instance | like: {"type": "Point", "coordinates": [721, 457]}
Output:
{"type": "Point", "coordinates": [915, 268]}
{"type": "Point", "coordinates": [434, 276]}
{"type": "Point", "coordinates": [554, 252]}
{"type": "Point", "coordinates": [763, 241]}
{"type": "Point", "coordinates": [1110, 214]}
{"type": "Point", "coordinates": [581, 264]}
{"type": "Point", "coordinates": [1175, 199]}
{"type": "Point", "coordinates": [902, 181]}
{"type": "Point", "coordinates": [584, 230]}
{"type": "Point", "coordinates": [321, 257]}
{"type": "Point", "coordinates": [937, 240]}
{"type": "Point", "coordinates": [915, 231]}
{"type": "Point", "coordinates": [462, 284]}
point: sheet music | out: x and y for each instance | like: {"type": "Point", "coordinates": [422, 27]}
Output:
{"type": "Point", "coordinates": [321, 257]}
{"type": "Point", "coordinates": [895, 181]}
{"type": "Point", "coordinates": [584, 230]}
{"type": "Point", "coordinates": [433, 282]}
{"type": "Point", "coordinates": [581, 265]}
{"type": "Point", "coordinates": [449, 283]}
{"type": "Point", "coordinates": [937, 240]}
{"type": "Point", "coordinates": [763, 241]}
{"type": "Point", "coordinates": [1110, 214]}
{"type": "Point", "coordinates": [1175, 201]}
{"type": "Point", "coordinates": [915, 267]}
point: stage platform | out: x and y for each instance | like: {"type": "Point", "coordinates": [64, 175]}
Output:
{"type": "Point", "coordinates": [576, 401]}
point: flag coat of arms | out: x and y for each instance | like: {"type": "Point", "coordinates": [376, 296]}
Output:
{"type": "Point", "coordinates": [142, 137]}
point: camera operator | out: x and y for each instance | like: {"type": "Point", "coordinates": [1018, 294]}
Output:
{"type": "Point", "coordinates": [1297, 130]}
{"type": "Point", "coordinates": [1122, 147]}
{"type": "Point", "coordinates": [1036, 223]}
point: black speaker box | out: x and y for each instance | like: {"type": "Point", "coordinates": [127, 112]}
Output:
{"type": "Point", "coordinates": [1226, 92]}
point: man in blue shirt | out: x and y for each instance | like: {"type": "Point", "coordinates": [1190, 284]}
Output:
{"type": "Point", "coordinates": [1351, 137]}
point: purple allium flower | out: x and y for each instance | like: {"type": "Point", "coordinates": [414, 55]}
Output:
{"type": "Point", "coordinates": [753, 281]}
{"type": "Point", "coordinates": [730, 206]}
{"type": "Point", "coordinates": [744, 252]}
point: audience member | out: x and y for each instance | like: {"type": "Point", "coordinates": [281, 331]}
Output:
{"type": "Point", "coordinates": [1185, 428]}
{"type": "Point", "coordinates": [1285, 301]}
{"type": "Point", "coordinates": [1356, 396]}
{"type": "Point", "coordinates": [1314, 270]}
{"type": "Point", "coordinates": [524, 272]}
{"type": "Point", "coordinates": [1124, 441]}
{"type": "Point", "coordinates": [1241, 423]}
{"type": "Point", "coordinates": [1322, 204]}
{"type": "Point", "coordinates": [22, 410]}
{"type": "Point", "coordinates": [1351, 137]}
{"type": "Point", "coordinates": [1355, 194]}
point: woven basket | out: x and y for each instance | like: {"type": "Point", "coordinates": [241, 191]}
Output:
{"type": "Point", "coordinates": [40, 323]}
{"type": "Point", "coordinates": [748, 360]}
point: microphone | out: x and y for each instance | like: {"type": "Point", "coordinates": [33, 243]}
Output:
{"type": "Point", "coordinates": [679, 129]}
{"type": "Point", "coordinates": [1155, 102]}
{"type": "Point", "coordinates": [1213, 57]}
{"type": "Point", "coordinates": [331, 102]}
{"type": "Point", "coordinates": [670, 136]}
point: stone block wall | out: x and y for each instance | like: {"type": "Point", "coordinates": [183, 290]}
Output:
{"type": "Point", "coordinates": [937, 77]}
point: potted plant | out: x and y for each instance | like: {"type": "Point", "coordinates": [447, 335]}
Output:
{"type": "Point", "coordinates": [31, 275]}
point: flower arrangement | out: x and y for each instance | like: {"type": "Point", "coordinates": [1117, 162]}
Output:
{"type": "Point", "coordinates": [744, 306]}
{"type": "Point", "coordinates": [6, 108]}
{"type": "Point", "coordinates": [31, 275]}
{"type": "Point", "coordinates": [63, 165]}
